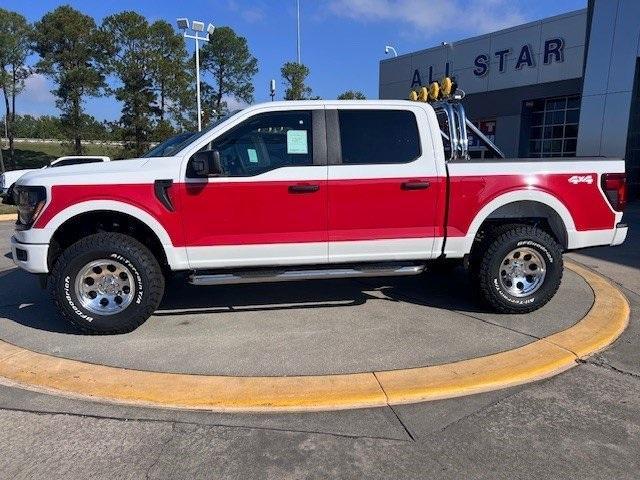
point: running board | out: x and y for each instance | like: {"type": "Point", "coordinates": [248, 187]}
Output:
{"type": "Point", "coordinates": [267, 276]}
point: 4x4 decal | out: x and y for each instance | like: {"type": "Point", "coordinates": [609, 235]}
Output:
{"type": "Point", "coordinates": [576, 179]}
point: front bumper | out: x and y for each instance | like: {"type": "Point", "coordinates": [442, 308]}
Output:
{"type": "Point", "coordinates": [620, 234]}
{"type": "Point", "coordinates": [30, 257]}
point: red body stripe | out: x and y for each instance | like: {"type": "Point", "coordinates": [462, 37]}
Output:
{"type": "Point", "coordinates": [138, 195]}
{"type": "Point", "coordinates": [584, 201]}
{"type": "Point", "coordinates": [234, 213]}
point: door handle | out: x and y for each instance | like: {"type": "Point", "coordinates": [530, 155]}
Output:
{"type": "Point", "coordinates": [415, 185]}
{"type": "Point", "coordinates": [303, 188]}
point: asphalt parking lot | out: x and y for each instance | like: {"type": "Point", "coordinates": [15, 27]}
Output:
{"type": "Point", "coordinates": [584, 422]}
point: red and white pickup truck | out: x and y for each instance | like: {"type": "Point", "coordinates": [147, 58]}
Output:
{"type": "Point", "coordinates": [305, 190]}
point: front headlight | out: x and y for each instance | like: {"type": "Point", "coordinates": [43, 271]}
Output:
{"type": "Point", "coordinates": [30, 202]}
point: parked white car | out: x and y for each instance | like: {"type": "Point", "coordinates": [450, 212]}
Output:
{"type": "Point", "coordinates": [8, 179]}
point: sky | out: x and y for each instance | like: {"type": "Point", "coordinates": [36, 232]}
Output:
{"type": "Point", "coordinates": [342, 40]}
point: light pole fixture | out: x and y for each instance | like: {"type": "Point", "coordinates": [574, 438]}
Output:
{"type": "Point", "coordinates": [196, 26]}
{"type": "Point", "coordinates": [388, 48]}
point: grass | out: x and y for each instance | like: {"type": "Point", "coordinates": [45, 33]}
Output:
{"type": "Point", "coordinates": [7, 209]}
{"type": "Point", "coordinates": [36, 155]}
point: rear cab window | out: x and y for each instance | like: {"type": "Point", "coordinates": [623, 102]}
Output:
{"type": "Point", "coordinates": [378, 136]}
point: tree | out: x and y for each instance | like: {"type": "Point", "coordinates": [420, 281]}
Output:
{"type": "Point", "coordinates": [352, 95]}
{"type": "Point", "coordinates": [295, 75]}
{"type": "Point", "coordinates": [171, 73]}
{"type": "Point", "coordinates": [14, 49]}
{"type": "Point", "coordinates": [132, 60]}
{"type": "Point", "coordinates": [227, 58]}
{"type": "Point", "coordinates": [44, 126]}
{"type": "Point", "coordinates": [71, 53]}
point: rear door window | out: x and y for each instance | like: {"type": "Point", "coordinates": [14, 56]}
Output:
{"type": "Point", "coordinates": [378, 136]}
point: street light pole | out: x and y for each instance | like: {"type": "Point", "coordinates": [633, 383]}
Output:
{"type": "Point", "coordinates": [298, 29]}
{"type": "Point", "coordinates": [196, 26]}
{"type": "Point", "coordinates": [198, 83]}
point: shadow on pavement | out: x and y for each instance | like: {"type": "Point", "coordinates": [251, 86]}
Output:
{"type": "Point", "coordinates": [24, 302]}
{"type": "Point", "coordinates": [448, 291]}
{"type": "Point", "coordinates": [627, 254]}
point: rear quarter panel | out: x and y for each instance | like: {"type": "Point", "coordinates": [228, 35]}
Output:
{"type": "Point", "coordinates": [575, 184]}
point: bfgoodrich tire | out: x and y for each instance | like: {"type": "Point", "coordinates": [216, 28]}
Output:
{"type": "Point", "coordinates": [107, 283]}
{"type": "Point", "coordinates": [520, 270]}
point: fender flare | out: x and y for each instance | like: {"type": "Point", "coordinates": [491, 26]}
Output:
{"type": "Point", "coordinates": [519, 196]}
{"type": "Point", "coordinates": [176, 256]}
{"type": "Point", "coordinates": [114, 206]}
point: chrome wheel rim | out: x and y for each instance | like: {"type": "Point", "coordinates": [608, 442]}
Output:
{"type": "Point", "coordinates": [522, 272]}
{"type": "Point", "coordinates": [104, 287]}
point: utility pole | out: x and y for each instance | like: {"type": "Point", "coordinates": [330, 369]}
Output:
{"type": "Point", "coordinates": [298, 29]}
{"type": "Point", "coordinates": [272, 89]}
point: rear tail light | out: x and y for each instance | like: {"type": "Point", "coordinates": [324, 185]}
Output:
{"type": "Point", "coordinates": [614, 186]}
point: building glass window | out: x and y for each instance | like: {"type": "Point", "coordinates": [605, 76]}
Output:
{"type": "Point", "coordinates": [554, 127]}
{"type": "Point", "coordinates": [632, 156]}
{"type": "Point", "coordinates": [477, 148]}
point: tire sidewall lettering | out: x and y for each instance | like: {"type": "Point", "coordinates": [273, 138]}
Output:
{"type": "Point", "coordinates": [72, 304]}
{"type": "Point", "coordinates": [537, 246]}
{"type": "Point", "coordinates": [138, 277]}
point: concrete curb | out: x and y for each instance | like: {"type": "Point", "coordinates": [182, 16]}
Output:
{"type": "Point", "coordinates": [7, 217]}
{"type": "Point", "coordinates": [543, 358]}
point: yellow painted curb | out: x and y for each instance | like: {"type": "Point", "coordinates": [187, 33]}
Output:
{"type": "Point", "coordinates": [6, 217]}
{"type": "Point", "coordinates": [529, 363]}
{"type": "Point", "coordinates": [220, 393]}
{"type": "Point", "coordinates": [605, 322]}
{"type": "Point", "coordinates": [543, 358]}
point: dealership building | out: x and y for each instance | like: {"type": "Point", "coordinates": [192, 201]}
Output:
{"type": "Point", "coordinates": [564, 86]}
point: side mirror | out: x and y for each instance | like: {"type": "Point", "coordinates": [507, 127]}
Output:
{"type": "Point", "coordinates": [206, 164]}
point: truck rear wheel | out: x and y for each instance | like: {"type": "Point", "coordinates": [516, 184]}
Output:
{"type": "Point", "coordinates": [520, 270]}
{"type": "Point", "coordinates": [107, 283]}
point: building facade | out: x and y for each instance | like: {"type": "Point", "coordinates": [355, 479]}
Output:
{"type": "Point", "coordinates": [563, 86]}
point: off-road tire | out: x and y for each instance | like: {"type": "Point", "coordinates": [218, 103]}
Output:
{"type": "Point", "coordinates": [489, 264]}
{"type": "Point", "coordinates": [147, 277]}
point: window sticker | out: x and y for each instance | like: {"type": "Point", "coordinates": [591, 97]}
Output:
{"type": "Point", "coordinates": [297, 142]}
{"type": "Point", "coordinates": [253, 155]}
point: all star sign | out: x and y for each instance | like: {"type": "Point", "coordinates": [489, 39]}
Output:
{"type": "Point", "coordinates": [553, 52]}
{"type": "Point", "coordinates": [525, 58]}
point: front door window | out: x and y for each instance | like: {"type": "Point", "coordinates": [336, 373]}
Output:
{"type": "Point", "coordinates": [267, 142]}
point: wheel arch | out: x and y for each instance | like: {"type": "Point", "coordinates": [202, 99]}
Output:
{"type": "Point", "coordinates": [527, 206]}
{"type": "Point", "coordinates": [90, 217]}
{"type": "Point", "coordinates": [531, 212]}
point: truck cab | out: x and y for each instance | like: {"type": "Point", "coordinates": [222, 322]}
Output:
{"type": "Point", "coordinates": [316, 189]}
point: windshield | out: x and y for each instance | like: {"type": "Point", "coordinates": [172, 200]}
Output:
{"type": "Point", "coordinates": [185, 143]}
{"type": "Point", "coordinates": [169, 146]}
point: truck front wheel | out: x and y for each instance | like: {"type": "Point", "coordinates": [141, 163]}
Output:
{"type": "Point", "coordinates": [520, 270]}
{"type": "Point", "coordinates": [107, 283]}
